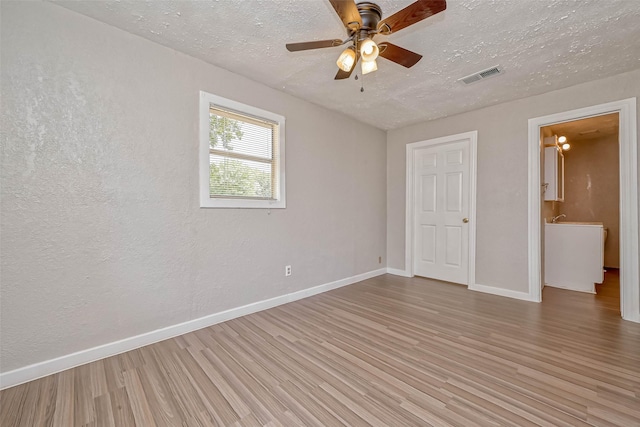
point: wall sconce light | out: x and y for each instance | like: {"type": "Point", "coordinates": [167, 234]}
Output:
{"type": "Point", "coordinates": [565, 145]}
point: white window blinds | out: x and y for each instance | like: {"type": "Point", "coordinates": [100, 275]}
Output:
{"type": "Point", "coordinates": [243, 155]}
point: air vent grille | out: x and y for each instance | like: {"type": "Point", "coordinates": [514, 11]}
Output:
{"type": "Point", "coordinates": [472, 78]}
{"type": "Point", "coordinates": [481, 75]}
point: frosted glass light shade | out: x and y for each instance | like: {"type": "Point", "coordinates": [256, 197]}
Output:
{"type": "Point", "coordinates": [369, 67]}
{"type": "Point", "coordinates": [566, 146]}
{"type": "Point", "coordinates": [369, 50]}
{"type": "Point", "coordinates": [347, 59]}
{"type": "Point", "coordinates": [562, 139]}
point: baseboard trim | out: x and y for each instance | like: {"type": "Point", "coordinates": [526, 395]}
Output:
{"type": "Point", "coordinates": [397, 272]}
{"type": "Point", "coordinates": [570, 287]}
{"type": "Point", "coordinates": [525, 296]}
{"type": "Point", "coordinates": [62, 363]}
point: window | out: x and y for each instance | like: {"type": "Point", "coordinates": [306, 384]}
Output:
{"type": "Point", "coordinates": [241, 155]}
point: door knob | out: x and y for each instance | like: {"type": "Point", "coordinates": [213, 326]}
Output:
{"type": "Point", "coordinates": [465, 220]}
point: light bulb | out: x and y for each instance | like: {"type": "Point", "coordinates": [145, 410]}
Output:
{"type": "Point", "coordinates": [369, 67]}
{"type": "Point", "coordinates": [369, 50]}
{"type": "Point", "coordinates": [347, 59]}
{"type": "Point", "coordinates": [566, 146]}
{"type": "Point", "coordinates": [562, 139]}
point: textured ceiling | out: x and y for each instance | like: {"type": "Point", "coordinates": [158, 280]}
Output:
{"type": "Point", "coordinates": [542, 45]}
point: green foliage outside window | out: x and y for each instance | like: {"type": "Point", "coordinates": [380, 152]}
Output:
{"type": "Point", "coordinates": [223, 130]}
{"type": "Point", "coordinates": [231, 177]}
{"type": "Point", "coordinates": [238, 179]}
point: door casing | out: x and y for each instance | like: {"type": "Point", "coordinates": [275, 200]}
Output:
{"type": "Point", "coordinates": [628, 146]}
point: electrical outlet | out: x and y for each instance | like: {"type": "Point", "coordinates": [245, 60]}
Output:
{"type": "Point", "coordinates": [379, 260]}
{"type": "Point", "coordinates": [287, 270]}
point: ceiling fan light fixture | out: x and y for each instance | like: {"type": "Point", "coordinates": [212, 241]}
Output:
{"type": "Point", "coordinates": [369, 50]}
{"type": "Point", "coordinates": [363, 21]}
{"type": "Point", "coordinates": [562, 139]}
{"type": "Point", "coordinates": [369, 67]}
{"type": "Point", "coordinates": [566, 146]}
{"type": "Point", "coordinates": [347, 59]}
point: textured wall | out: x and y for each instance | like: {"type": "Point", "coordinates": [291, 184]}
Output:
{"type": "Point", "coordinates": [502, 199]}
{"type": "Point", "coordinates": [102, 234]}
{"type": "Point", "coordinates": [592, 189]}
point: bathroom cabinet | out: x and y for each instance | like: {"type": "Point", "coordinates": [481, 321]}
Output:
{"type": "Point", "coordinates": [553, 173]}
{"type": "Point", "coordinates": [574, 255]}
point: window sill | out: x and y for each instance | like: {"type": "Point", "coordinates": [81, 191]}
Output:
{"type": "Point", "coordinates": [209, 203]}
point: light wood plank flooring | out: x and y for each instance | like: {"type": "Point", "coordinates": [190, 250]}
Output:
{"type": "Point", "coordinates": [388, 351]}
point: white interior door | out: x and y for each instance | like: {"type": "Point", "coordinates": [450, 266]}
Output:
{"type": "Point", "coordinates": [441, 186]}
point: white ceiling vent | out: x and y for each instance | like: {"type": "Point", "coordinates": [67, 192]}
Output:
{"type": "Point", "coordinates": [481, 75]}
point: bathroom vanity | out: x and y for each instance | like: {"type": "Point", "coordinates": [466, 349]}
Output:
{"type": "Point", "coordinates": [574, 255]}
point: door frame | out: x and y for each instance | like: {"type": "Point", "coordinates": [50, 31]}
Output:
{"type": "Point", "coordinates": [628, 154]}
{"type": "Point", "coordinates": [409, 208]}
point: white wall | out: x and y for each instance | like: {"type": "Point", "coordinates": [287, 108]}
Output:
{"type": "Point", "coordinates": [102, 234]}
{"type": "Point", "coordinates": [502, 174]}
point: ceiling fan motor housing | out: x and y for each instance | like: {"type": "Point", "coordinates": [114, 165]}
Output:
{"type": "Point", "coordinates": [370, 13]}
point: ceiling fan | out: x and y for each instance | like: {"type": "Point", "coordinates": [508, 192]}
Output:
{"type": "Point", "coordinates": [363, 21]}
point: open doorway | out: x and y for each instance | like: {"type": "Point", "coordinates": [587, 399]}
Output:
{"type": "Point", "coordinates": [581, 206]}
{"type": "Point", "coordinates": [628, 195]}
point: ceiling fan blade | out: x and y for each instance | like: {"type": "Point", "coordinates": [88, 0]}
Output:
{"type": "Point", "coordinates": [294, 47]}
{"type": "Point", "coordinates": [341, 75]}
{"type": "Point", "coordinates": [348, 13]}
{"type": "Point", "coordinates": [411, 14]}
{"type": "Point", "coordinates": [398, 54]}
{"type": "Point", "coordinates": [346, 74]}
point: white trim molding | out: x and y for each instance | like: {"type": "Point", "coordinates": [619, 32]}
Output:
{"type": "Point", "coordinates": [525, 296]}
{"type": "Point", "coordinates": [472, 136]}
{"type": "Point", "coordinates": [207, 101]}
{"type": "Point", "coordinates": [629, 254]}
{"type": "Point", "coordinates": [62, 363]}
{"type": "Point", "coordinates": [397, 272]}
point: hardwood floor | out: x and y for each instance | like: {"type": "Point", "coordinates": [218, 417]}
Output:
{"type": "Point", "coordinates": [388, 351]}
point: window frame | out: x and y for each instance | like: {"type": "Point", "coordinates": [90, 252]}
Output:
{"type": "Point", "coordinates": [239, 202]}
